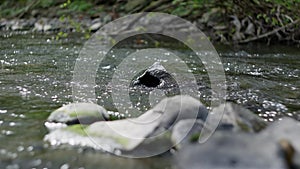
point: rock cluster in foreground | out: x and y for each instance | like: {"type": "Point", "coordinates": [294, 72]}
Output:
{"type": "Point", "coordinates": [242, 139]}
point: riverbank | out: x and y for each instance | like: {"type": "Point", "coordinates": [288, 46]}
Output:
{"type": "Point", "coordinates": [227, 22]}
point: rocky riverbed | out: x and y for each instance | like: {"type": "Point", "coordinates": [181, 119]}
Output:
{"type": "Point", "coordinates": [242, 140]}
{"type": "Point", "coordinates": [176, 126]}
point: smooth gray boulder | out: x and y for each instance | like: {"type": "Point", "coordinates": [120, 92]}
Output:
{"type": "Point", "coordinates": [174, 109]}
{"type": "Point", "coordinates": [287, 128]}
{"type": "Point", "coordinates": [238, 118]}
{"type": "Point", "coordinates": [235, 119]}
{"type": "Point", "coordinates": [230, 150]}
{"type": "Point", "coordinates": [276, 147]}
{"type": "Point", "coordinates": [127, 134]}
{"type": "Point", "coordinates": [123, 134]}
{"type": "Point", "coordinates": [186, 131]}
{"type": "Point", "coordinates": [296, 161]}
{"type": "Point", "coordinates": [84, 113]}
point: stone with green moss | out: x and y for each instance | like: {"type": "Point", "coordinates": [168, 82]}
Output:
{"type": "Point", "coordinates": [123, 134]}
{"type": "Point", "coordinates": [84, 113]}
{"type": "Point", "coordinates": [151, 128]}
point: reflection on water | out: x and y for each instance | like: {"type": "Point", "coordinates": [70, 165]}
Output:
{"type": "Point", "coordinates": [266, 80]}
{"type": "Point", "coordinates": [35, 79]}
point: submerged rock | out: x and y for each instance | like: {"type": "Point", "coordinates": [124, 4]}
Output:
{"type": "Point", "coordinates": [75, 113]}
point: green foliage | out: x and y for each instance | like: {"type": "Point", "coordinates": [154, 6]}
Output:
{"type": "Point", "coordinates": [15, 8]}
{"type": "Point", "coordinates": [46, 3]}
{"type": "Point", "coordinates": [266, 15]}
{"type": "Point", "coordinates": [61, 34]}
{"type": "Point", "coordinates": [78, 6]}
{"type": "Point", "coordinates": [184, 7]}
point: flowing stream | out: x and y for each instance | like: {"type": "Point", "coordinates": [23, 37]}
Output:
{"type": "Point", "coordinates": [35, 78]}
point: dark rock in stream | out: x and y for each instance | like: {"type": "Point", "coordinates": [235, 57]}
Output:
{"type": "Point", "coordinates": [156, 76]}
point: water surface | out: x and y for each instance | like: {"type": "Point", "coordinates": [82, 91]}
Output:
{"type": "Point", "coordinates": [35, 79]}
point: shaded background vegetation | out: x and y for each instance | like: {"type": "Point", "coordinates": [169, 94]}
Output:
{"type": "Point", "coordinates": [237, 21]}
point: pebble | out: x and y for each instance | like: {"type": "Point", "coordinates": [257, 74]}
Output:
{"type": "Point", "coordinates": [65, 166]}
{"type": "Point", "coordinates": [95, 26]}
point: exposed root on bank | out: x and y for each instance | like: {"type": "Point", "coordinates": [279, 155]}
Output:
{"type": "Point", "coordinates": [275, 31]}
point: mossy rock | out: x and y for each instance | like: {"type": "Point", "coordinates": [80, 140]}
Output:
{"type": "Point", "coordinates": [151, 128]}
{"type": "Point", "coordinates": [84, 113]}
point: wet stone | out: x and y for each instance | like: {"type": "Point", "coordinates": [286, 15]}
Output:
{"type": "Point", "coordinates": [228, 150]}
{"type": "Point", "coordinates": [155, 76]}
{"type": "Point", "coordinates": [237, 118]}
{"type": "Point", "coordinates": [287, 128]}
{"type": "Point", "coordinates": [186, 131]}
{"type": "Point", "coordinates": [174, 109]}
{"type": "Point", "coordinates": [148, 129]}
{"type": "Point", "coordinates": [277, 146]}
{"type": "Point", "coordinates": [296, 161]}
{"type": "Point", "coordinates": [96, 26]}
{"type": "Point", "coordinates": [75, 113]}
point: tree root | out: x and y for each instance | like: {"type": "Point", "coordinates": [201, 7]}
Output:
{"type": "Point", "coordinates": [270, 32]}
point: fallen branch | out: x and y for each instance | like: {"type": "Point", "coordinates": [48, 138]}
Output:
{"type": "Point", "coordinates": [270, 32]}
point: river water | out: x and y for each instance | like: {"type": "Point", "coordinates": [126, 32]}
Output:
{"type": "Point", "coordinates": [35, 78]}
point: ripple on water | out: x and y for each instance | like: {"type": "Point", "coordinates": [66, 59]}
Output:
{"type": "Point", "coordinates": [36, 74]}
